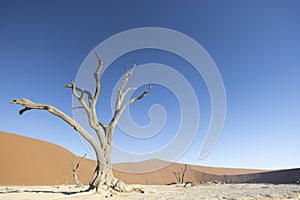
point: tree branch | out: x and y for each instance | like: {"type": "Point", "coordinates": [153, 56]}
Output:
{"type": "Point", "coordinates": [128, 90]}
{"type": "Point", "coordinates": [96, 76]}
{"type": "Point", "coordinates": [119, 112]}
{"type": "Point", "coordinates": [119, 108]}
{"type": "Point", "coordinates": [102, 125]}
{"type": "Point", "coordinates": [28, 105]}
{"type": "Point", "coordinates": [122, 94]}
{"type": "Point", "coordinates": [77, 107]}
{"type": "Point", "coordinates": [90, 110]}
{"type": "Point", "coordinates": [88, 93]}
{"type": "Point", "coordinates": [79, 97]}
{"type": "Point", "coordinates": [78, 164]}
{"type": "Point", "coordinates": [75, 169]}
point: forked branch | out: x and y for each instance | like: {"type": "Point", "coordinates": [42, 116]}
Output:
{"type": "Point", "coordinates": [90, 109]}
{"type": "Point", "coordinates": [121, 94]}
{"type": "Point", "coordinates": [119, 108]}
{"type": "Point", "coordinates": [77, 89]}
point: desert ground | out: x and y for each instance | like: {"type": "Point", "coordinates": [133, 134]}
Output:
{"type": "Point", "coordinates": [200, 191]}
{"type": "Point", "coordinates": [35, 169]}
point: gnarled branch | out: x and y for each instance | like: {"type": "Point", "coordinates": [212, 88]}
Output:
{"type": "Point", "coordinates": [28, 105]}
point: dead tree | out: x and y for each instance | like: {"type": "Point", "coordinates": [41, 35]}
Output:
{"type": "Point", "coordinates": [74, 169]}
{"type": "Point", "coordinates": [180, 175]}
{"type": "Point", "coordinates": [103, 179]}
{"type": "Point", "coordinates": [183, 171]}
{"type": "Point", "coordinates": [177, 176]}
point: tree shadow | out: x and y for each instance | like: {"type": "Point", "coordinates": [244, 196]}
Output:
{"type": "Point", "coordinates": [53, 192]}
{"type": "Point", "coordinates": [45, 191]}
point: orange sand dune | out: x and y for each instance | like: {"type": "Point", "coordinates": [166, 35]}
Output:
{"type": "Point", "coordinates": [165, 175]}
{"type": "Point", "coordinates": [28, 161]}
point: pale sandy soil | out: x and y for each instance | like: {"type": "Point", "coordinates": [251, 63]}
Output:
{"type": "Point", "coordinates": [203, 191]}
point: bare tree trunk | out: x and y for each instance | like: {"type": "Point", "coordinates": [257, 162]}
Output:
{"type": "Point", "coordinates": [103, 178]}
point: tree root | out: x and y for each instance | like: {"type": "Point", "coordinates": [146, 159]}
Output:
{"type": "Point", "coordinates": [116, 187]}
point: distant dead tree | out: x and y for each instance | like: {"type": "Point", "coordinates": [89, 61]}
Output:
{"type": "Point", "coordinates": [180, 175]}
{"type": "Point", "coordinates": [103, 179]}
{"type": "Point", "coordinates": [177, 176]}
{"type": "Point", "coordinates": [74, 168]}
{"type": "Point", "coordinates": [183, 171]}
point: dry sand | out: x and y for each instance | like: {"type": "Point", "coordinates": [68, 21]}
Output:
{"type": "Point", "coordinates": [203, 191]}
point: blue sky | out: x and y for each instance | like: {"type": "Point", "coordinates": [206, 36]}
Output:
{"type": "Point", "coordinates": [255, 44]}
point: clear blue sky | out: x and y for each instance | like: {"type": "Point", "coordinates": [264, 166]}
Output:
{"type": "Point", "coordinates": [255, 44]}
